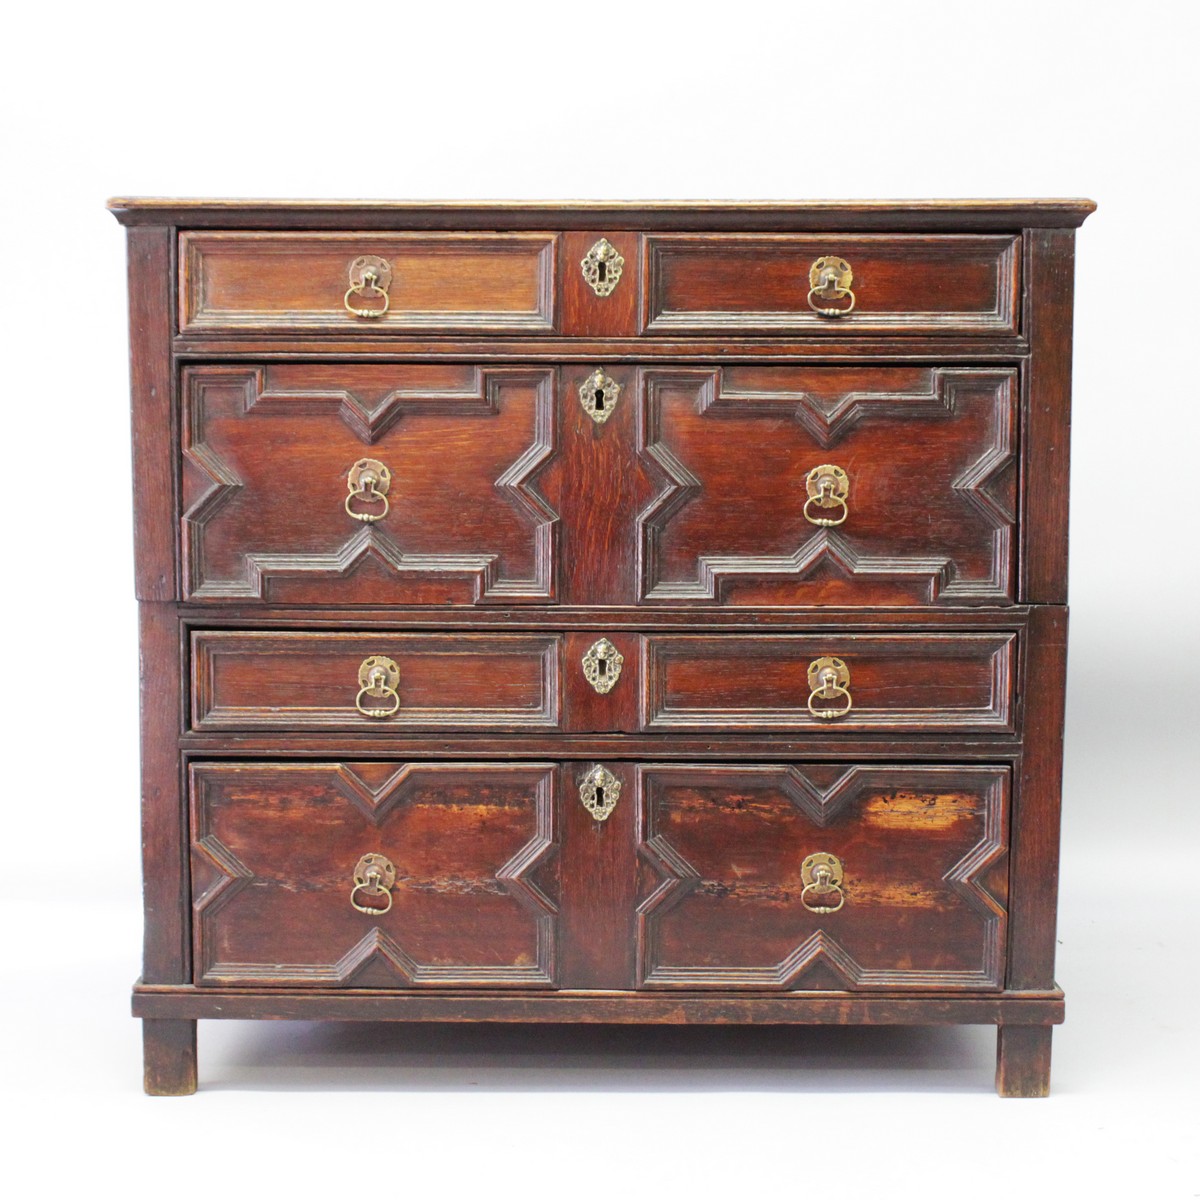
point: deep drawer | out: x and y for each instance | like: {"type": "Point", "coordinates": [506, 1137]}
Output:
{"type": "Point", "coordinates": [906, 683]}
{"type": "Point", "coordinates": [822, 877]}
{"type": "Point", "coordinates": [476, 283]}
{"type": "Point", "coordinates": [354, 681]}
{"type": "Point", "coordinates": [374, 874]}
{"type": "Point", "coordinates": [743, 284]}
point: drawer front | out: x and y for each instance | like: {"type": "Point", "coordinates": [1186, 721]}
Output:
{"type": "Point", "coordinates": [910, 683]}
{"type": "Point", "coordinates": [357, 483]}
{"type": "Point", "coordinates": [830, 485]}
{"type": "Point", "coordinates": [738, 284]}
{"type": "Point", "coordinates": [374, 682]}
{"type": "Point", "coordinates": [459, 889]}
{"type": "Point", "coordinates": [908, 863]}
{"type": "Point", "coordinates": [470, 283]}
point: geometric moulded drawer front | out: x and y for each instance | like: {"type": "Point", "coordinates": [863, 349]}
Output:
{"type": "Point", "coordinates": [909, 683]}
{"type": "Point", "coordinates": [914, 894]}
{"type": "Point", "coordinates": [307, 681]}
{"type": "Point", "coordinates": [736, 284]}
{"type": "Point", "coordinates": [373, 875]}
{"type": "Point", "coordinates": [432, 282]}
{"type": "Point", "coordinates": [830, 485]}
{"type": "Point", "coordinates": [363, 483]}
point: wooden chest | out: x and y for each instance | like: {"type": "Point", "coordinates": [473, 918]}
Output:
{"type": "Point", "coordinates": [601, 612]}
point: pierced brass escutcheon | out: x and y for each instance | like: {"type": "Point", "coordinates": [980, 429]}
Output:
{"type": "Point", "coordinates": [368, 483]}
{"type": "Point", "coordinates": [378, 678]}
{"type": "Point", "coordinates": [602, 666]}
{"type": "Point", "coordinates": [822, 875]}
{"type": "Point", "coordinates": [602, 266]}
{"type": "Point", "coordinates": [827, 487]}
{"type": "Point", "coordinates": [829, 679]}
{"type": "Point", "coordinates": [599, 792]}
{"type": "Point", "coordinates": [829, 278]}
{"type": "Point", "coordinates": [374, 876]}
{"type": "Point", "coordinates": [370, 278]}
{"type": "Point", "coordinates": [598, 394]}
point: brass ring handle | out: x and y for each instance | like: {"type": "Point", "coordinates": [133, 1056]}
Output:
{"type": "Point", "coordinates": [829, 278]}
{"type": "Point", "coordinates": [378, 678]}
{"type": "Point", "coordinates": [828, 487]}
{"type": "Point", "coordinates": [368, 483]}
{"type": "Point", "coordinates": [822, 874]}
{"type": "Point", "coordinates": [829, 679]}
{"type": "Point", "coordinates": [370, 277]}
{"type": "Point", "coordinates": [374, 875]}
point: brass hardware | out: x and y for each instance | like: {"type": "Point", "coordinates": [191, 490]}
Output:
{"type": "Point", "coordinates": [827, 487]}
{"type": "Point", "coordinates": [602, 266]}
{"type": "Point", "coordinates": [600, 791]}
{"type": "Point", "coordinates": [602, 666]}
{"type": "Point", "coordinates": [378, 677]}
{"type": "Point", "coordinates": [829, 679]}
{"type": "Point", "coordinates": [822, 875]}
{"type": "Point", "coordinates": [830, 278]}
{"type": "Point", "coordinates": [370, 278]}
{"type": "Point", "coordinates": [368, 483]}
{"type": "Point", "coordinates": [598, 394]}
{"type": "Point", "coordinates": [373, 876]}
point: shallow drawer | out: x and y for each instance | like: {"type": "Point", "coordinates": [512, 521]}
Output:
{"type": "Point", "coordinates": [473, 283]}
{"type": "Point", "coordinates": [823, 877]}
{"type": "Point", "coordinates": [896, 284]}
{"type": "Point", "coordinates": [802, 485]}
{"type": "Point", "coordinates": [351, 681]}
{"type": "Point", "coordinates": [907, 683]}
{"type": "Point", "coordinates": [374, 874]}
{"type": "Point", "coordinates": [368, 483]}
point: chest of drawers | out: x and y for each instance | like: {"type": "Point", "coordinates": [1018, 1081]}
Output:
{"type": "Point", "coordinates": [601, 612]}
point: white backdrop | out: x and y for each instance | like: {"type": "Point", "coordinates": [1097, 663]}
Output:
{"type": "Point", "coordinates": [784, 101]}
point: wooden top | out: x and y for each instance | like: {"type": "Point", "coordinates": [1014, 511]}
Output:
{"type": "Point", "coordinates": [768, 216]}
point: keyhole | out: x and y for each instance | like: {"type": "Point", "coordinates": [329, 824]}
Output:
{"type": "Point", "coordinates": [598, 399]}
{"type": "Point", "coordinates": [601, 667]}
{"type": "Point", "coordinates": [601, 271]}
{"type": "Point", "coordinates": [599, 797]}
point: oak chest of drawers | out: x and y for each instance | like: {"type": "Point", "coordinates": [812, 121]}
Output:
{"type": "Point", "coordinates": [625, 613]}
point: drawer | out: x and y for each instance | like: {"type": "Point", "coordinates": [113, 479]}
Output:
{"type": "Point", "coordinates": [768, 284]}
{"type": "Point", "coordinates": [367, 682]}
{"type": "Point", "coordinates": [374, 874]}
{"type": "Point", "coordinates": [470, 283]}
{"type": "Point", "coordinates": [887, 485]}
{"type": "Point", "coordinates": [368, 483]}
{"type": "Point", "coordinates": [822, 878]}
{"type": "Point", "coordinates": [900, 683]}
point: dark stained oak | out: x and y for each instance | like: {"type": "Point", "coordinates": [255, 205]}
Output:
{"type": "Point", "coordinates": [519, 532]}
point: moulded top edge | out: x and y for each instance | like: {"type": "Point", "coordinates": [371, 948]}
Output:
{"type": "Point", "coordinates": [779, 215]}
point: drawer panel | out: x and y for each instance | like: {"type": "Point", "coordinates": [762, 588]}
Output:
{"type": "Point", "coordinates": [476, 283]}
{"type": "Point", "coordinates": [740, 284]}
{"type": "Point", "coordinates": [303, 681]}
{"type": "Point", "coordinates": [906, 683]}
{"type": "Point", "coordinates": [851, 486]}
{"type": "Point", "coordinates": [921, 901]}
{"type": "Point", "coordinates": [466, 851]}
{"type": "Point", "coordinates": [278, 505]}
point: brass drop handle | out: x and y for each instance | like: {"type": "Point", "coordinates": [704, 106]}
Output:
{"type": "Point", "coordinates": [370, 278]}
{"type": "Point", "coordinates": [378, 678]}
{"type": "Point", "coordinates": [822, 875]}
{"type": "Point", "coordinates": [830, 278]}
{"type": "Point", "coordinates": [828, 487]}
{"type": "Point", "coordinates": [368, 484]}
{"type": "Point", "coordinates": [829, 679]}
{"type": "Point", "coordinates": [602, 666]}
{"type": "Point", "coordinates": [374, 876]}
